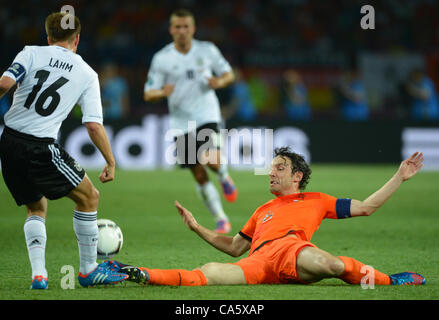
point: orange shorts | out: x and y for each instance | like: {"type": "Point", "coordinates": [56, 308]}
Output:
{"type": "Point", "coordinates": [274, 263]}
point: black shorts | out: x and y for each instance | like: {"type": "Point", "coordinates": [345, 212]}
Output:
{"type": "Point", "coordinates": [35, 167]}
{"type": "Point", "coordinates": [195, 142]}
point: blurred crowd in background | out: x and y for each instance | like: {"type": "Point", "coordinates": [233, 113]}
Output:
{"type": "Point", "coordinates": [298, 59]}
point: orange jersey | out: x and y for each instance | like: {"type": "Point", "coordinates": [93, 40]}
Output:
{"type": "Point", "coordinates": [299, 213]}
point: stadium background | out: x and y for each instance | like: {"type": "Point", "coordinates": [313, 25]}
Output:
{"type": "Point", "coordinates": [323, 41]}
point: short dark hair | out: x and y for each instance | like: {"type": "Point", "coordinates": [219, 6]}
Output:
{"type": "Point", "coordinates": [298, 162]}
{"type": "Point", "coordinates": [181, 13]}
{"type": "Point", "coordinates": [56, 32]}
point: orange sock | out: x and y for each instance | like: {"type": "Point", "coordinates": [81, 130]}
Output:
{"type": "Point", "coordinates": [353, 274]}
{"type": "Point", "coordinates": [176, 277]}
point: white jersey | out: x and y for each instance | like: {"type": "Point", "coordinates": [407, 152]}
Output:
{"type": "Point", "coordinates": [192, 98]}
{"type": "Point", "coordinates": [50, 81]}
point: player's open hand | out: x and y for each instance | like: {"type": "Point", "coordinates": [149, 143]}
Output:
{"type": "Point", "coordinates": [411, 166]}
{"type": "Point", "coordinates": [107, 174]}
{"type": "Point", "coordinates": [187, 216]}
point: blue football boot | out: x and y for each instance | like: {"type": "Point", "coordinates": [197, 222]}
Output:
{"type": "Point", "coordinates": [115, 265]}
{"type": "Point", "coordinates": [139, 275]}
{"type": "Point", "coordinates": [406, 278]}
{"type": "Point", "coordinates": [103, 274]}
{"type": "Point", "coordinates": [39, 282]}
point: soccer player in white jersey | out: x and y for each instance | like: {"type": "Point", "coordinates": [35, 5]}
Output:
{"type": "Point", "coordinates": [183, 72]}
{"type": "Point", "coordinates": [50, 81]}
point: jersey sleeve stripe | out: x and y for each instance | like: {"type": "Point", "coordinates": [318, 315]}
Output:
{"type": "Point", "coordinates": [246, 237]}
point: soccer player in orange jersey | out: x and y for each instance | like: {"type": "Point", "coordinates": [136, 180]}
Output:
{"type": "Point", "coordinates": [278, 235]}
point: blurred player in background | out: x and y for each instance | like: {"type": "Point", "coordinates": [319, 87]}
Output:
{"type": "Point", "coordinates": [50, 81]}
{"type": "Point", "coordinates": [296, 103]}
{"type": "Point", "coordinates": [279, 232]}
{"type": "Point", "coordinates": [424, 98]}
{"type": "Point", "coordinates": [183, 72]}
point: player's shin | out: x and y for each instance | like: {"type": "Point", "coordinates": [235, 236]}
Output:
{"type": "Point", "coordinates": [355, 271]}
{"type": "Point", "coordinates": [176, 277]}
{"type": "Point", "coordinates": [86, 230]}
{"type": "Point", "coordinates": [35, 234]}
{"type": "Point", "coordinates": [210, 196]}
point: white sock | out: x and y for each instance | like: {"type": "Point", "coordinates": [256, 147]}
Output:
{"type": "Point", "coordinates": [212, 200]}
{"type": "Point", "coordinates": [35, 234]}
{"type": "Point", "coordinates": [86, 230]}
{"type": "Point", "coordinates": [223, 172]}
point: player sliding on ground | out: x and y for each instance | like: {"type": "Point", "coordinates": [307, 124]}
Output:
{"type": "Point", "coordinates": [278, 235]}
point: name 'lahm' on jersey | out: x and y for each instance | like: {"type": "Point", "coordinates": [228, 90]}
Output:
{"type": "Point", "coordinates": [51, 80]}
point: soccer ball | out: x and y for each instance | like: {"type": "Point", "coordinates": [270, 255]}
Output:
{"type": "Point", "coordinates": [110, 239]}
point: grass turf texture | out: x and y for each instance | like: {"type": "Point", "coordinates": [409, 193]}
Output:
{"type": "Point", "coordinates": [401, 236]}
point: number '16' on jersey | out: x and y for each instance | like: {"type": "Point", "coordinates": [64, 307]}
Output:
{"type": "Point", "coordinates": [51, 80]}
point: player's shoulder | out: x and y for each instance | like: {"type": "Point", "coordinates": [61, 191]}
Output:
{"type": "Point", "coordinates": [31, 49]}
{"type": "Point", "coordinates": [316, 196]}
{"type": "Point", "coordinates": [165, 51]}
{"type": "Point", "coordinates": [204, 45]}
{"type": "Point", "coordinates": [267, 204]}
{"type": "Point", "coordinates": [85, 65]}
{"type": "Point", "coordinates": [313, 194]}
{"type": "Point", "coordinates": [71, 57]}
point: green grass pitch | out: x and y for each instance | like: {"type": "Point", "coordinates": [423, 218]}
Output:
{"type": "Point", "coordinates": [402, 235]}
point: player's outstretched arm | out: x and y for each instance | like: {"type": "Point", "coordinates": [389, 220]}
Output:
{"type": "Point", "coordinates": [407, 169]}
{"type": "Point", "coordinates": [233, 246]}
{"type": "Point", "coordinates": [98, 135]}
{"type": "Point", "coordinates": [6, 83]}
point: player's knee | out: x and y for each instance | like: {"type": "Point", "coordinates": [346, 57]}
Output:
{"type": "Point", "coordinates": [94, 197]}
{"type": "Point", "coordinates": [332, 266]}
{"type": "Point", "coordinates": [200, 175]}
{"type": "Point", "coordinates": [336, 266]}
{"type": "Point", "coordinates": [89, 201]}
{"type": "Point", "coordinates": [212, 272]}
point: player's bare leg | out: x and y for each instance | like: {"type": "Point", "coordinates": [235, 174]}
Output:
{"type": "Point", "coordinates": [212, 273]}
{"type": "Point", "coordinates": [223, 273]}
{"type": "Point", "coordinates": [38, 208]}
{"type": "Point", "coordinates": [199, 173]}
{"type": "Point", "coordinates": [214, 162]}
{"type": "Point", "coordinates": [314, 264]}
{"type": "Point", "coordinates": [85, 196]}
